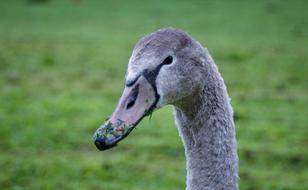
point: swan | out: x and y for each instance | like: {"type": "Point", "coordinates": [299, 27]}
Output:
{"type": "Point", "coordinates": [170, 67]}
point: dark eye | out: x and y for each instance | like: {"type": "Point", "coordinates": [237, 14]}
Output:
{"type": "Point", "coordinates": [168, 60]}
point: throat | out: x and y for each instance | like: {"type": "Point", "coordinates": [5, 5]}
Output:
{"type": "Point", "coordinates": [207, 131]}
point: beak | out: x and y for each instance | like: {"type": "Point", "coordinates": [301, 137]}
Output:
{"type": "Point", "coordinates": [137, 101]}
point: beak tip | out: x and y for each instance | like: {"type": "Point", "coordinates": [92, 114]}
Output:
{"type": "Point", "coordinates": [102, 145]}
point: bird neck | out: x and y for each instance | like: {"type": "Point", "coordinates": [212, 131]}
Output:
{"type": "Point", "coordinates": [205, 123]}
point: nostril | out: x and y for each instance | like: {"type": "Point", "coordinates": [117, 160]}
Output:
{"type": "Point", "coordinates": [133, 97]}
{"type": "Point", "coordinates": [131, 102]}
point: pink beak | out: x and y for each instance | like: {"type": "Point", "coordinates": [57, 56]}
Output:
{"type": "Point", "coordinates": [137, 101]}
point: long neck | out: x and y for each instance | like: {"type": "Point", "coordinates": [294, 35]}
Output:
{"type": "Point", "coordinates": [205, 123]}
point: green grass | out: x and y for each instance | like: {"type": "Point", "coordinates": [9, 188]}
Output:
{"type": "Point", "coordinates": [62, 67]}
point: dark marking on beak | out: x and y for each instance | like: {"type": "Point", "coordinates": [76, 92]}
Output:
{"type": "Point", "coordinates": [129, 83]}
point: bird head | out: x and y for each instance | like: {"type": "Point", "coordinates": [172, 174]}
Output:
{"type": "Point", "coordinates": [165, 67]}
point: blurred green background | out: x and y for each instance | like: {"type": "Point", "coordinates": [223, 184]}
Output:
{"type": "Point", "coordinates": [62, 65]}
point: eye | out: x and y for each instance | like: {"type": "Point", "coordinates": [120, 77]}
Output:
{"type": "Point", "coordinates": [168, 60]}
